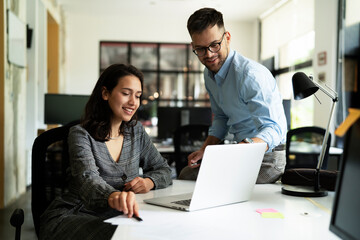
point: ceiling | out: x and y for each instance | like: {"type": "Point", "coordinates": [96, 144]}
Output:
{"type": "Point", "coordinates": [233, 10]}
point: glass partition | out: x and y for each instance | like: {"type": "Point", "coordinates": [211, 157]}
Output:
{"type": "Point", "coordinates": [173, 57]}
{"type": "Point", "coordinates": [144, 56]}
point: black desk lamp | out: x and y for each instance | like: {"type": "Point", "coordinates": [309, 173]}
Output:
{"type": "Point", "coordinates": [303, 87]}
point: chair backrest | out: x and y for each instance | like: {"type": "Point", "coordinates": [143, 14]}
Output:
{"type": "Point", "coordinates": [50, 160]}
{"type": "Point", "coordinates": [187, 139]}
{"type": "Point", "coordinates": [303, 147]}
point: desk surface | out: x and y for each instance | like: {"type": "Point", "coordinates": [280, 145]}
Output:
{"type": "Point", "coordinates": [304, 147]}
{"type": "Point", "coordinates": [169, 148]}
{"type": "Point", "coordinates": [164, 148]}
{"type": "Point", "coordinates": [304, 218]}
{"type": "Point", "coordinates": [335, 151]}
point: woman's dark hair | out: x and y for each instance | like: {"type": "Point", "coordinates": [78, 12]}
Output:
{"type": "Point", "coordinates": [203, 18]}
{"type": "Point", "coordinates": [97, 115]}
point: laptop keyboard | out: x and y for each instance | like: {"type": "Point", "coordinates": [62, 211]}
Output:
{"type": "Point", "coordinates": [185, 202]}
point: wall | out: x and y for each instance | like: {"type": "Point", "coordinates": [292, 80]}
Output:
{"type": "Point", "coordinates": [291, 16]}
{"type": "Point", "coordinates": [2, 117]}
{"type": "Point", "coordinates": [22, 91]}
{"type": "Point", "coordinates": [352, 13]}
{"type": "Point", "coordinates": [84, 32]}
{"type": "Point", "coordinates": [14, 93]}
{"type": "Point", "coordinates": [325, 41]}
{"type": "Point", "coordinates": [244, 38]}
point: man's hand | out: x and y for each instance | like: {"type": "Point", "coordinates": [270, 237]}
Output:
{"type": "Point", "coordinates": [124, 202]}
{"type": "Point", "coordinates": [139, 185]}
{"type": "Point", "coordinates": [194, 157]}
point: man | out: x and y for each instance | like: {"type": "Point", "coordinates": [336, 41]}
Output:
{"type": "Point", "coordinates": [244, 97]}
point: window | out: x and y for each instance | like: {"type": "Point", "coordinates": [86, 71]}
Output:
{"type": "Point", "coordinates": [297, 54]}
{"type": "Point", "coordinates": [288, 37]}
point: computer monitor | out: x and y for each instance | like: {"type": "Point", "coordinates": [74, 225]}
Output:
{"type": "Point", "coordinates": [345, 217]}
{"type": "Point", "coordinates": [64, 108]}
{"type": "Point", "coordinates": [169, 118]}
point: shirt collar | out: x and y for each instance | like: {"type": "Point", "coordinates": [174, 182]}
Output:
{"type": "Point", "coordinates": [221, 74]}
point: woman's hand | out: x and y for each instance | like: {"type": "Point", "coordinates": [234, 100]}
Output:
{"type": "Point", "coordinates": [139, 185]}
{"type": "Point", "coordinates": [124, 202]}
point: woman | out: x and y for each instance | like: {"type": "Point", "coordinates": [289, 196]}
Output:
{"type": "Point", "coordinates": [106, 151]}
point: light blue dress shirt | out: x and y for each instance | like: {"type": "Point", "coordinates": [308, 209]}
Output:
{"type": "Point", "coordinates": [246, 102]}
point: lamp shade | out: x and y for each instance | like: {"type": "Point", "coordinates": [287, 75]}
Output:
{"type": "Point", "coordinates": [303, 86]}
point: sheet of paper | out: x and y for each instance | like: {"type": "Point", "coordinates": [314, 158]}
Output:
{"type": "Point", "coordinates": [149, 217]}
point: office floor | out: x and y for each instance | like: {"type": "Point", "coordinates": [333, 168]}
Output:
{"type": "Point", "coordinates": [27, 230]}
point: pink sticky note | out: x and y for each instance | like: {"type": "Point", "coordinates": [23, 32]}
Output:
{"type": "Point", "coordinates": [266, 210]}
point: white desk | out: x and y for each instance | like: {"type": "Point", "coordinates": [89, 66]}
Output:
{"type": "Point", "coordinates": [335, 151]}
{"type": "Point", "coordinates": [164, 148]}
{"type": "Point", "coordinates": [304, 147]}
{"type": "Point", "coordinates": [303, 219]}
{"type": "Point", "coordinates": [169, 148]}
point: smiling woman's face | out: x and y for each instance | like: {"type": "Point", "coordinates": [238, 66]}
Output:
{"type": "Point", "coordinates": [124, 99]}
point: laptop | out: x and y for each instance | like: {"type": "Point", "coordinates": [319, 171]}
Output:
{"type": "Point", "coordinates": [227, 175]}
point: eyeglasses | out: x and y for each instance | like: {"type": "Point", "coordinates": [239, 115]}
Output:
{"type": "Point", "coordinates": [214, 48]}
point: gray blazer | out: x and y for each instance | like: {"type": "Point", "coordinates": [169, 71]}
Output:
{"type": "Point", "coordinates": [95, 174]}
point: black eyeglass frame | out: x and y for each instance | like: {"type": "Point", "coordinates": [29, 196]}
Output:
{"type": "Point", "coordinates": [209, 47]}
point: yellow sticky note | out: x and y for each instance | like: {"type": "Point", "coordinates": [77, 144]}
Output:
{"type": "Point", "coordinates": [272, 215]}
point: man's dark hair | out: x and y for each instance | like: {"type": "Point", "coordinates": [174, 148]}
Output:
{"type": "Point", "coordinates": [97, 111]}
{"type": "Point", "coordinates": [203, 18]}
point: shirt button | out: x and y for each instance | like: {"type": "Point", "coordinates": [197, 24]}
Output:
{"type": "Point", "coordinates": [124, 177]}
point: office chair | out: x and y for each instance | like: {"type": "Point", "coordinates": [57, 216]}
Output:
{"type": "Point", "coordinates": [16, 220]}
{"type": "Point", "coordinates": [50, 159]}
{"type": "Point", "coordinates": [187, 139]}
{"type": "Point", "coordinates": [303, 147]}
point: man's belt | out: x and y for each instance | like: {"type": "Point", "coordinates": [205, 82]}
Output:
{"type": "Point", "coordinates": [280, 147]}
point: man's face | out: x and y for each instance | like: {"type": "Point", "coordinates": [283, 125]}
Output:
{"type": "Point", "coordinates": [209, 37]}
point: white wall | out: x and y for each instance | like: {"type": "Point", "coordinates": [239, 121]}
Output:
{"type": "Point", "coordinates": [244, 38]}
{"type": "Point", "coordinates": [286, 23]}
{"type": "Point", "coordinates": [14, 94]}
{"type": "Point", "coordinates": [84, 32]}
{"type": "Point", "coordinates": [325, 41]}
{"type": "Point", "coordinates": [24, 90]}
{"type": "Point", "coordinates": [36, 77]}
{"type": "Point", "coordinates": [352, 12]}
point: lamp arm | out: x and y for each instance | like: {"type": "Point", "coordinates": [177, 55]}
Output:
{"type": "Point", "coordinates": [333, 95]}
{"type": "Point", "coordinates": [325, 139]}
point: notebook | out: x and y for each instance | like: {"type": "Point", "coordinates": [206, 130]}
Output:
{"type": "Point", "coordinates": [227, 175]}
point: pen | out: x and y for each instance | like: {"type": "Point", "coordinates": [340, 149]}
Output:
{"type": "Point", "coordinates": [137, 218]}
